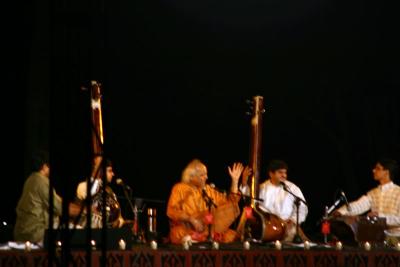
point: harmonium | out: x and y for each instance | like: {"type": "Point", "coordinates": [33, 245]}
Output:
{"type": "Point", "coordinates": [356, 230]}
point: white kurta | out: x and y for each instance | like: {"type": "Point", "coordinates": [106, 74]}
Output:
{"type": "Point", "coordinates": [279, 202]}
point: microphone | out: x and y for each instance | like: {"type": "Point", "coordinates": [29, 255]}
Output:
{"type": "Point", "coordinates": [345, 200]}
{"type": "Point", "coordinates": [283, 185]}
{"type": "Point", "coordinates": [207, 198]}
{"type": "Point", "coordinates": [333, 207]}
{"type": "Point", "coordinates": [120, 182]}
{"type": "Point", "coordinates": [217, 189]}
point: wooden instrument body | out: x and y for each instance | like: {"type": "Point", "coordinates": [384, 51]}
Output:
{"type": "Point", "coordinates": [224, 216]}
{"type": "Point", "coordinates": [263, 226]}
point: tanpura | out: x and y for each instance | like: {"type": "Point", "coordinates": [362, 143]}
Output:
{"type": "Point", "coordinates": [255, 224]}
{"type": "Point", "coordinates": [112, 207]}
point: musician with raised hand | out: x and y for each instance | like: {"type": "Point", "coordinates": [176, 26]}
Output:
{"type": "Point", "coordinates": [188, 210]}
{"type": "Point", "coordinates": [275, 198]}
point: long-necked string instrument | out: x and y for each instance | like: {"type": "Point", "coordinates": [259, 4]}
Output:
{"type": "Point", "coordinates": [97, 146]}
{"type": "Point", "coordinates": [98, 150]}
{"type": "Point", "coordinates": [255, 147]}
{"type": "Point", "coordinates": [97, 119]}
{"type": "Point", "coordinates": [255, 224]}
{"type": "Point", "coordinates": [109, 214]}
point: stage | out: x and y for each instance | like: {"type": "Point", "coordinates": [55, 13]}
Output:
{"type": "Point", "coordinates": [232, 255]}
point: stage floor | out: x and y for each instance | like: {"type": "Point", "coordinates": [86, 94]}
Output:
{"type": "Point", "coordinates": [203, 255]}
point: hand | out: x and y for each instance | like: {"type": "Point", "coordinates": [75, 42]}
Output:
{"type": "Point", "coordinates": [289, 222]}
{"type": "Point", "coordinates": [245, 174]}
{"type": "Point", "coordinates": [235, 171]}
{"type": "Point", "coordinates": [373, 214]}
{"type": "Point", "coordinates": [197, 224]}
{"type": "Point", "coordinates": [336, 213]}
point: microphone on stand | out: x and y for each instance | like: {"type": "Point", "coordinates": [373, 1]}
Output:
{"type": "Point", "coordinates": [207, 198]}
{"type": "Point", "coordinates": [120, 182]}
{"type": "Point", "coordinates": [208, 217]}
{"type": "Point", "coordinates": [337, 202]}
{"type": "Point", "coordinates": [345, 200]}
{"type": "Point", "coordinates": [334, 206]}
{"type": "Point", "coordinates": [283, 185]}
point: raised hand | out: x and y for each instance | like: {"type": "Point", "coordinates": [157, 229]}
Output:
{"type": "Point", "coordinates": [246, 174]}
{"type": "Point", "coordinates": [235, 171]}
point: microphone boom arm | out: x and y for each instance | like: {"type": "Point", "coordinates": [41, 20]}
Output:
{"type": "Point", "coordinates": [297, 198]}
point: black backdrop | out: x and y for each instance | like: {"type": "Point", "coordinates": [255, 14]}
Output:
{"type": "Point", "coordinates": [176, 76]}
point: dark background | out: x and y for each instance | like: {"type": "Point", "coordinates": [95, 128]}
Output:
{"type": "Point", "coordinates": [175, 79]}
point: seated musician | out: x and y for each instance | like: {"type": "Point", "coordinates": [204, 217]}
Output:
{"type": "Point", "coordinates": [33, 206]}
{"type": "Point", "coordinates": [276, 200]}
{"type": "Point", "coordinates": [188, 210]}
{"type": "Point", "coordinates": [383, 200]}
{"type": "Point", "coordinates": [114, 216]}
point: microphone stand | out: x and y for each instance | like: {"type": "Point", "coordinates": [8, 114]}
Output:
{"type": "Point", "coordinates": [135, 212]}
{"type": "Point", "coordinates": [247, 199]}
{"type": "Point", "coordinates": [329, 210]}
{"type": "Point", "coordinates": [209, 203]}
{"type": "Point", "coordinates": [128, 198]}
{"type": "Point", "coordinates": [297, 239]}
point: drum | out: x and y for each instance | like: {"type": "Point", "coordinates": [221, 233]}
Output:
{"type": "Point", "coordinates": [344, 228]}
{"type": "Point", "coordinates": [264, 227]}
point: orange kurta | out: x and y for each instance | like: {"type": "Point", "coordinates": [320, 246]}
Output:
{"type": "Point", "coordinates": [187, 201]}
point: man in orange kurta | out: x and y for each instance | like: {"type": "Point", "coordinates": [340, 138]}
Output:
{"type": "Point", "coordinates": [188, 210]}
